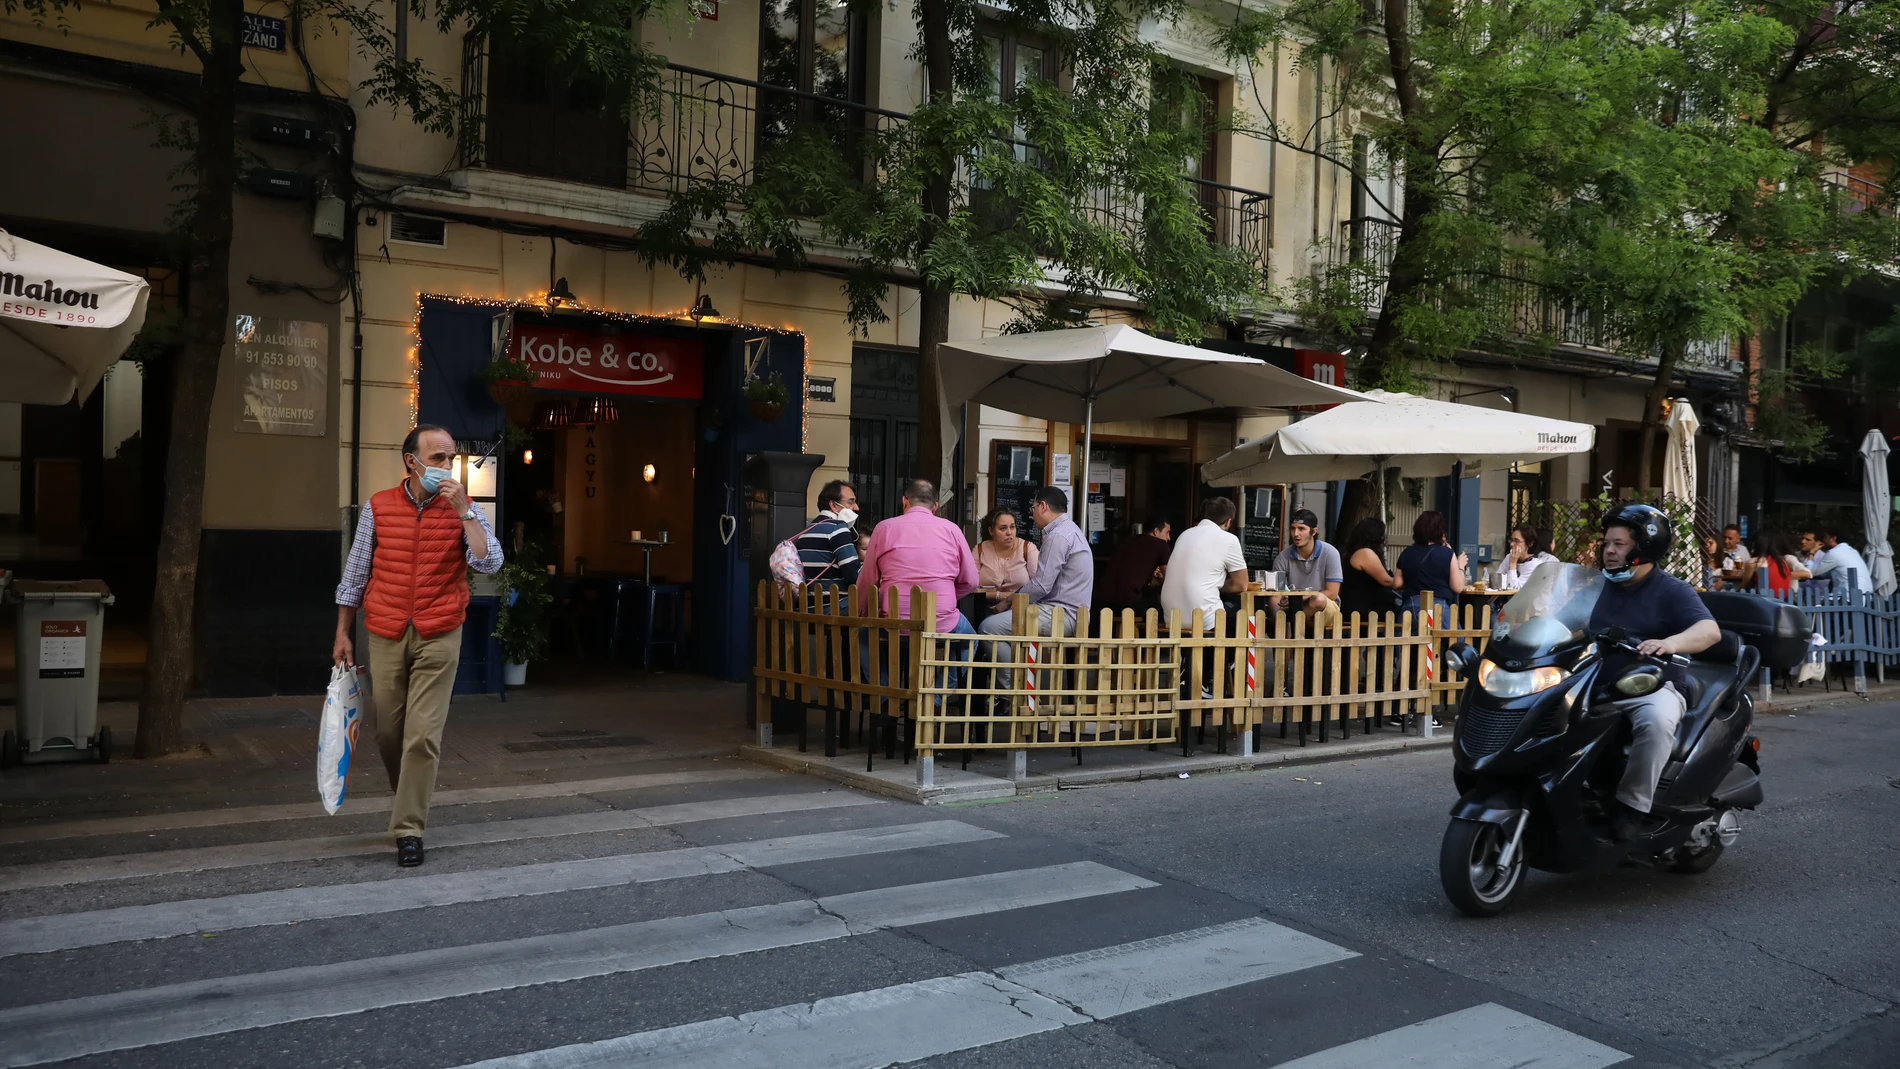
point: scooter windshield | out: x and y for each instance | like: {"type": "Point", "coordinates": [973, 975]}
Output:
{"type": "Point", "coordinates": [1552, 610]}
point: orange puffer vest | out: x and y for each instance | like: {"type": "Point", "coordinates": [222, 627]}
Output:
{"type": "Point", "coordinates": [420, 569]}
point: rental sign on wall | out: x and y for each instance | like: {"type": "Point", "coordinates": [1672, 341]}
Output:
{"type": "Point", "coordinates": [584, 361]}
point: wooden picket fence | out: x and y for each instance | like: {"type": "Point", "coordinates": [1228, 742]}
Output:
{"type": "Point", "coordinates": [1111, 680]}
{"type": "Point", "coordinates": [1469, 622]}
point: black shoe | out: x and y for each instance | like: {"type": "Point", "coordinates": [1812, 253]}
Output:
{"type": "Point", "coordinates": [409, 851]}
{"type": "Point", "coordinates": [1627, 824]}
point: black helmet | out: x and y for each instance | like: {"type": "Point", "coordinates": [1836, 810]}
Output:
{"type": "Point", "coordinates": [1651, 529]}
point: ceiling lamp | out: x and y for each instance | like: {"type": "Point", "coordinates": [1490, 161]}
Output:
{"type": "Point", "coordinates": [552, 415]}
{"type": "Point", "coordinates": [559, 294]}
{"type": "Point", "coordinates": [590, 410]}
{"type": "Point", "coordinates": [703, 308]}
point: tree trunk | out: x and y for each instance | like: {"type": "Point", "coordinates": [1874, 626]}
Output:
{"type": "Point", "coordinates": [168, 662]}
{"type": "Point", "coordinates": [1653, 415]}
{"type": "Point", "coordinates": [1384, 362]}
{"type": "Point", "coordinates": [933, 306]}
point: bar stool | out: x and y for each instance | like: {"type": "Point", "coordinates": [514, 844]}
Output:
{"type": "Point", "coordinates": [662, 603]}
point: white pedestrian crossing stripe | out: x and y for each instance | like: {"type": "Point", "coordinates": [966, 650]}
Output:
{"type": "Point", "coordinates": [872, 1028]}
{"type": "Point", "coordinates": [35, 935]}
{"type": "Point", "coordinates": [369, 804]}
{"type": "Point", "coordinates": [969, 1010]}
{"type": "Point", "coordinates": [1482, 1037]}
{"type": "Point", "coordinates": [32, 1035]}
{"type": "Point", "coordinates": [170, 862]}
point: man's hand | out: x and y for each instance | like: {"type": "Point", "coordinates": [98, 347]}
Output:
{"type": "Point", "coordinates": [456, 495]}
{"type": "Point", "coordinates": [1658, 647]}
{"type": "Point", "coordinates": [1316, 603]}
{"type": "Point", "coordinates": [344, 651]}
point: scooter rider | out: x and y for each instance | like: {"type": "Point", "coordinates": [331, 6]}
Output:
{"type": "Point", "coordinates": [1668, 618]}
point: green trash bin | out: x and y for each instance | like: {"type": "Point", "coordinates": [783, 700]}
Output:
{"type": "Point", "coordinates": [60, 636]}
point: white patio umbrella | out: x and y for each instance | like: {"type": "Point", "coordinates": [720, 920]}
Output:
{"type": "Point", "coordinates": [1876, 502]}
{"type": "Point", "coordinates": [1679, 475]}
{"type": "Point", "coordinates": [1111, 373]}
{"type": "Point", "coordinates": [1417, 436]}
{"type": "Point", "coordinates": [63, 321]}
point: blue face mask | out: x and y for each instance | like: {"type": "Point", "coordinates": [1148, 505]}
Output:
{"type": "Point", "coordinates": [1622, 575]}
{"type": "Point", "coordinates": [432, 478]}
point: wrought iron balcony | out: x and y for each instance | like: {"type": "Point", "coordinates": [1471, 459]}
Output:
{"type": "Point", "coordinates": [1528, 310]}
{"type": "Point", "coordinates": [704, 128]}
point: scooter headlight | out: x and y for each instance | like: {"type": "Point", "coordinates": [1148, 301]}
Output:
{"type": "Point", "coordinates": [1501, 684]}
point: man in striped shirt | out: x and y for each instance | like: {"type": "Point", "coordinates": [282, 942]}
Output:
{"type": "Point", "coordinates": [829, 547]}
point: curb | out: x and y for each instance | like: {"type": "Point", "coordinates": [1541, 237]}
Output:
{"type": "Point", "coordinates": [894, 780]}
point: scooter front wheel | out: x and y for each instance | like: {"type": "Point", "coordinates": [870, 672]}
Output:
{"type": "Point", "coordinates": [1469, 870]}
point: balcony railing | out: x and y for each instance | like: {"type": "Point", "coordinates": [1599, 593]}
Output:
{"type": "Point", "coordinates": [1526, 309]}
{"type": "Point", "coordinates": [706, 128]}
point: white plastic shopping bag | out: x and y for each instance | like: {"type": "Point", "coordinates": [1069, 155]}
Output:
{"type": "Point", "coordinates": [343, 708]}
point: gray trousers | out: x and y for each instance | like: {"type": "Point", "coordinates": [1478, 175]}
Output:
{"type": "Point", "coordinates": [1653, 719]}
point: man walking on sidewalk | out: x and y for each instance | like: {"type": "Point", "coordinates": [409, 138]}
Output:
{"type": "Point", "coordinates": [408, 571]}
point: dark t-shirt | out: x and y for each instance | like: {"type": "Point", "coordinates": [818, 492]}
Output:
{"type": "Point", "coordinates": [1128, 573]}
{"type": "Point", "coordinates": [1656, 606]}
{"type": "Point", "coordinates": [1427, 568]}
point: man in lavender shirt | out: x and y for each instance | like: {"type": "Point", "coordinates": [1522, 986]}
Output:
{"type": "Point", "coordinates": [1065, 573]}
{"type": "Point", "coordinates": [920, 549]}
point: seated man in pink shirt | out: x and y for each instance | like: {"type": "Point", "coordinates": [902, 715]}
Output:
{"type": "Point", "coordinates": [921, 549]}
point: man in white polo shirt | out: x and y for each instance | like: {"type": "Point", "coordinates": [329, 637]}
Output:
{"type": "Point", "coordinates": [1205, 564]}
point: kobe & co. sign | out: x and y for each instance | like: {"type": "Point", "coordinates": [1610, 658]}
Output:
{"type": "Point", "coordinates": [584, 361]}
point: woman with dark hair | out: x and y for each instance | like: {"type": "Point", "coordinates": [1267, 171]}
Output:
{"type": "Point", "coordinates": [1369, 589]}
{"type": "Point", "coordinates": [1780, 564]}
{"type": "Point", "coordinates": [1429, 563]}
{"type": "Point", "coordinates": [1529, 548]}
{"type": "Point", "coordinates": [1005, 562]}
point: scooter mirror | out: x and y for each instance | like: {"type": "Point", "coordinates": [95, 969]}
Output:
{"type": "Point", "coordinates": [1461, 658]}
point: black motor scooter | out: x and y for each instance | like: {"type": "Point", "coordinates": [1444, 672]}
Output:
{"type": "Point", "coordinates": [1541, 739]}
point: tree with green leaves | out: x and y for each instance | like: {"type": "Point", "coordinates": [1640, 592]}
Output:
{"type": "Point", "coordinates": [1049, 192]}
{"type": "Point", "coordinates": [1487, 115]}
{"type": "Point", "coordinates": [1713, 216]}
{"type": "Point", "coordinates": [593, 38]}
{"type": "Point", "coordinates": [1656, 164]}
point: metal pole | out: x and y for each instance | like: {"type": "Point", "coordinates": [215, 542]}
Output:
{"type": "Point", "coordinates": [1088, 455]}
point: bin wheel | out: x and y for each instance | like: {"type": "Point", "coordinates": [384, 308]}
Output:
{"type": "Point", "coordinates": [9, 750]}
{"type": "Point", "coordinates": [105, 745]}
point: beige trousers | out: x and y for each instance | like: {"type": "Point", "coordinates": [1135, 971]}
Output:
{"type": "Point", "coordinates": [413, 677]}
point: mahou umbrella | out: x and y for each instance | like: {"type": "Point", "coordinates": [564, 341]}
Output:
{"type": "Point", "coordinates": [1418, 436]}
{"type": "Point", "coordinates": [63, 321]}
{"type": "Point", "coordinates": [1104, 373]}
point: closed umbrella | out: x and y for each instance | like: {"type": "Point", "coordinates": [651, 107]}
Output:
{"type": "Point", "coordinates": [1417, 436]}
{"type": "Point", "coordinates": [1115, 373]}
{"type": "Point", "coordinates": [1876, 502]}
{"type": "Point", "coordinates": [63, 321]}
{"type": "Point", "coordinates": [1679, 467]}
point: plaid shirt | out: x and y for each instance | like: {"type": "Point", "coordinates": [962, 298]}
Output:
{"type": "Point", "coordinates": [363, 552]}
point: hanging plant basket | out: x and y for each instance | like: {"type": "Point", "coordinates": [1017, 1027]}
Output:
{"type": "Point", "coordinates": [508, 391]}
{"type": "Point", "coordinates": [766, 411]}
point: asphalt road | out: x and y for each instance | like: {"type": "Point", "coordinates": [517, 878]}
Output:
{"type": "Point", "coordinates": [698, 914]}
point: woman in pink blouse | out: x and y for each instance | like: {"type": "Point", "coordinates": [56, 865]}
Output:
{"type": "Point", "coordinates": [1004, 562]}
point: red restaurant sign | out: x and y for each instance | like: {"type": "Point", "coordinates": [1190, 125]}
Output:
{"type": "Point", "coordinates": [586, 362]}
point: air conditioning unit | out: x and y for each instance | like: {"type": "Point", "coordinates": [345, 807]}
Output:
{"type": "Point", "coordinates": [418, 230]}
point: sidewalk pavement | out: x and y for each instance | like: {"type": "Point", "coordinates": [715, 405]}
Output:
{"type": "Point", "coordinates": [260, 751]}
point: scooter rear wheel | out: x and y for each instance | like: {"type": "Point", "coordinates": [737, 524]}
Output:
{"type": "Point", "coordinates": [1468, 868]}
{"type": "Point", "coordinates": [1694, 859]}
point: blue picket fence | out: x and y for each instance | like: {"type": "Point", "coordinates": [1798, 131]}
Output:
{"type": "Point", "coordinates": [1862, 628]}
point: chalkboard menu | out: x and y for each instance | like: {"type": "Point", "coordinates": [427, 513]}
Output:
{"type": "Point", "coordinates": [1262, 534]}
{"type": "Point", "coordinates": [1016, 473]}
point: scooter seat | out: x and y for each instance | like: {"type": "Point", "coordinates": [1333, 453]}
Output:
{"type": "Point", "coordinates": [1711, 684]}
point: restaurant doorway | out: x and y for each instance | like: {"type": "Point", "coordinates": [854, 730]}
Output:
{"type": "Point", "coordinates": [1133, 485]}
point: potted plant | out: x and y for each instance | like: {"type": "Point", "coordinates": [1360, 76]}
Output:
{"type": "Point", "coordinates": [522, 624]}
{"type": "Point", "coordinates": [508, 380]}
{"type": "Point", "coordinates": [767, 397]}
